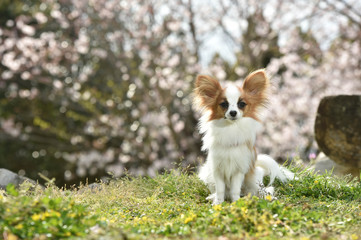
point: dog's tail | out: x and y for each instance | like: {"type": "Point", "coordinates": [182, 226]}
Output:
{"type": "Point", "coordinates": [267, 166]}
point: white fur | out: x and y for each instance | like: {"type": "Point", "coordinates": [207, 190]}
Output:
{"type": "Point", "coordinates": [232, 94]}
{"type": "Point", "coordinates": [272, 169]}
{"type": "Point", "coordinates": [230, 154]}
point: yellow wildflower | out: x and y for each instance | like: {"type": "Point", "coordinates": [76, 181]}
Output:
{"type": "Point", "coordinates": [19, 226]}
{"type": "Point", "coordinates": [36, 217]}
{"type": "Point", "coordinates": [217, 207]}
{"type": "Point", "coordinates": [268, 197]}
{"type": "Point", "coordinates": [57, 214]}
{"type": "Point", "coordinates": [260, 228]}
{"type": "Point", "coordinates": [216, 214]}
{"type": "Point", "coordinates": [354, 237]}
{"type": "Point", "coordinates": [190, 218]}
{"type": "Point", "coordinates": [244, 209]}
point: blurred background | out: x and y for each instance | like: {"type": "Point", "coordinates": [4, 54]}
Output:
{"type": "Point", "coordinates": [89, 87]}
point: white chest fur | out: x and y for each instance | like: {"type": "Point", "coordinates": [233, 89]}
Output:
{"type": "Point", "coordinates": [230, 144]}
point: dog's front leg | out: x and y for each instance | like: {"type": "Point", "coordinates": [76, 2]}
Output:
{"type": "Point", "coordinates": [236, 185]}
{"type": "Point", "coordinates": [220, 189]}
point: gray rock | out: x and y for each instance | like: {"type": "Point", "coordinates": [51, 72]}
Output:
{"type": "Point", "coordinates": [324, 164]}
{"type": "Point", "coordinates": [338, 129]}
{"type": "Point", "coordinates": [8, 177]}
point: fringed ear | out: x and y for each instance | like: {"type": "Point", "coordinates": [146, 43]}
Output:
{"type": "Point", "coordinates": [206, 91]}
{"type": "Point", "coordinates": [256, 90]}
{"type": "Point", "coordinates": [256, 83]}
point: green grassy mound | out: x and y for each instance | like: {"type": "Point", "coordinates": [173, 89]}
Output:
{"type": "Point", "coordinates": [173, 206]}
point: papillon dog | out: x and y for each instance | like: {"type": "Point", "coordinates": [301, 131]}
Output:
{"type": "Point", "coordinates": [230, 122]}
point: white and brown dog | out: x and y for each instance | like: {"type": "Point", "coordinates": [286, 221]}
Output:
{"type": "Point", "coordinates": [229, 124]}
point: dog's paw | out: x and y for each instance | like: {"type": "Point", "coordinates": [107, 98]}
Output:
{"type": "Point", "coordinates": [234, 198]}
{"type": "Point", "coordinates": [269, 190]}
{"type": "Point", "coordinates": [263, 192]}
{"type": "Point", "coordinates": [211, 197]}
{"type": "Point", "coordinates": [217, 202]}
{"type": "Point", "coordinates": [214, 199]}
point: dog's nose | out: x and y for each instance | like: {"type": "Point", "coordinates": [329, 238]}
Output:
{"type": "Point", "coordinates": [233, 113]}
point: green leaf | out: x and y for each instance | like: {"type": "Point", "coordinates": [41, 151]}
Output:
{"type": "Point", "coordinates": [11, 190]}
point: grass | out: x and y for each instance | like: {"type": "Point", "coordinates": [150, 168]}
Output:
{"type": "Point", "coordinates": [173, 206]}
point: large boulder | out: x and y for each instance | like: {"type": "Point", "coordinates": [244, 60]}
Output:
{"type": "Point", "coordinates": [338, 129]}
{"type": "Point", "coordinates": [8, 177]}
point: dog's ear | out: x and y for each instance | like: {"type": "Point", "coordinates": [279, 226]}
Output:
{"type": "Point", "coordinates": [207, 86]}
{"type": "Point", "coordinates": [207, 90]}
{"type": "Point", "coordinates": [256, 83]}
{"type": "Point", "coordinates": [256, 89]}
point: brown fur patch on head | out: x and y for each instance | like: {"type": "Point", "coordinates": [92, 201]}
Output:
{"type": "Point", "coordinates": [208, 95]}
{"type": "Point", "coordinates": [217, 111]}
{"type": "Point", "coordinates": [255, 91]}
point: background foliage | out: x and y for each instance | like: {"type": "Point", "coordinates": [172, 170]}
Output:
{"type": "Point", "coordinates": [88, 87]}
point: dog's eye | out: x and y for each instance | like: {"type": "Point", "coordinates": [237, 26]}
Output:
{"type": "Point", "coordinates": [241, 104]}
{"type": "Point", "coordinates": [224, 104]}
